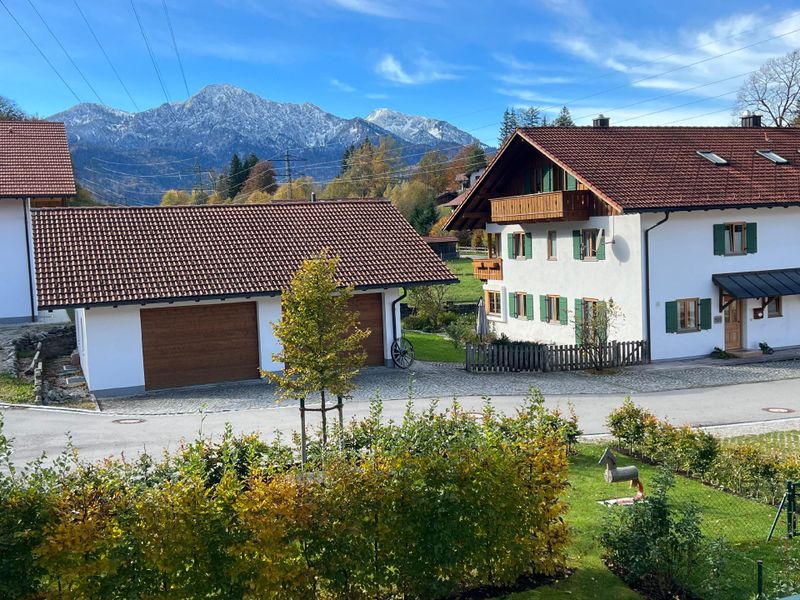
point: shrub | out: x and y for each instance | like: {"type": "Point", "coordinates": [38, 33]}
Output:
{"type": "Point", "coordinates": [433, 506]}
{"type": "Point", "coordinates": [461, 330]}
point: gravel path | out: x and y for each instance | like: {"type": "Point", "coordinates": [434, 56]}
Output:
{"type": "Point", "coordinates": [445, 381]}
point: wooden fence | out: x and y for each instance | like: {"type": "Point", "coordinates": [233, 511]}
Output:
{"type": "Point", "coordinates": [499, 358]}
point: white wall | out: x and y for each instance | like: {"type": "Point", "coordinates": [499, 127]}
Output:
{"type": "Point", "coordinates": [619, 276]}
{"type": "Point", "coordinates": [682, 262]}
{"type": "Point", "coordinates": [268, 311]}
{"type": "Point", "coordinates": [112, 359]}
{"type": "Point", "coordinates": [390, 296]}
{"type": "Point", "coordinates": [15, 302]}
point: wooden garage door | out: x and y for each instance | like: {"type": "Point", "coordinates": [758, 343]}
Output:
{"type": "Point", "coordinates": [199, 344]}
{"type": "Point", "coordinates": [370, 309]}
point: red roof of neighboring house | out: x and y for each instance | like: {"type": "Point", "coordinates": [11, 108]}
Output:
{"type": "Point", "coordinates": [35, 160]}
{"type": "Point", "coordinates": [651, 168]}
{"type": "Point", "coordinates": [456, 202]}
{"type": "Point", "coordinates": [91, 256]}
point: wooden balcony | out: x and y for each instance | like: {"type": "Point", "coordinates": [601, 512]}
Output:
{"type": "Point", "coordinates": [487, 268]}
{"type": "Point", "coordinates": [548, 206]}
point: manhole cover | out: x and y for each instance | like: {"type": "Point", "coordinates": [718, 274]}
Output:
{"type": "Point", "coordinates": [777, 409]}
{"type": "Point", "coordinates": [128, 421]}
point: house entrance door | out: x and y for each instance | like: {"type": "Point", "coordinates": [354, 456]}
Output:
{"type": "Point", "coordinates": [733, 325]}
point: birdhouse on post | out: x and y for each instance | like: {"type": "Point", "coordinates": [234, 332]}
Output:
{"type": "Point", "coordinates": [615, 474]}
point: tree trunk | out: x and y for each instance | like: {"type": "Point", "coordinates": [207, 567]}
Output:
{"type": "Point", "coordinates": [303, 443]}
{"type": "Point", "coordinates": [324, 414]}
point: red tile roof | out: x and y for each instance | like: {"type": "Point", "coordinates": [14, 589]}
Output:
{"type": "Point", "coordinates": [90, 256]}
{"type": "Point", "coordinates": [646, 168]}
{"type": "Point", "coordinates": [34, 160]}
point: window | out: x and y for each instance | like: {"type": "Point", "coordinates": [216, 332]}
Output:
{"type": "Point", "coordinates": [775, 307]}
{"type": "Point", "coordinates": [732, 239]}
{"type": "Point", "coordinates": [772, 156]}
{"type": "Point", "coordinates": [493, 241]}
{"type": "Point", "coordinates": [589, 242]}
{"type": "Point", "coordinates": [553, 309]}
{"type": "Point", "coordinates": [493, 302]}
{"type": "Point", "coordinates": [551, 245]}
{"type": "Point", "coordinates": [520, 305]}
{"type": "Point", "coordinates": [520, 246]}
{"type": "Point", "coordinates": [713, 157]}
{"type": "Point", "coordinates": [688, 314]}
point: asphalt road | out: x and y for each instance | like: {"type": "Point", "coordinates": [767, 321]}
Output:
{"type": "Point", "coordinates": [98, 435]}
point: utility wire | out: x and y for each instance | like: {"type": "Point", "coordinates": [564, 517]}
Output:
{"type": "Point", "coordinates": [64, 50]}
{"type": "Point", "coordinates": [175, 46]}
{"type": "Point", "coordinates": [44, 56]}
{"type": "Point", "coordinates": [150, 52]}
{"type": "Point", "coordinates": [108, 60]}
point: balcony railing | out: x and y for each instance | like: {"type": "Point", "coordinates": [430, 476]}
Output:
{"type": "Point", "coordinates": [487, 268]}
{"type": "Point", "coordinates": [570, 205]}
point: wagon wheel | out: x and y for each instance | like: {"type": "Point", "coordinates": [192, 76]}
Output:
{"type": "Point", "coordinates": [402, 353]}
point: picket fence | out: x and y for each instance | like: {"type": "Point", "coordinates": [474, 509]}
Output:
{"type": "Point", "coordinates": [499, 358]}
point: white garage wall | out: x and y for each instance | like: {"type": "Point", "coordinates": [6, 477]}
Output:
{"type": "Point", "coordinates": [15, 302]}
{"type": "Point", "coordinates": [268, 312]}
{"type": "Point", "coordinates": [390, 296]}
{"type": "Point", "coordinates": [112, 358]}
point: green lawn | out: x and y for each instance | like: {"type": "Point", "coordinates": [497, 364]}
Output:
{"type": "Point", "coordinates": [468, 289]}
{"type": "Point", "coordinates": [785, 442]}
{"type": "Point", "coordinates": [744, 523]}
{"type": "Point", "coordinates": [434, 348]}
{"type": "Point", "coordinates": [14, 390]}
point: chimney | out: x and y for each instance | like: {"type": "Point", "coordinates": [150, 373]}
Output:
{"type": "Point", "coordinates": [313, 196]}
{"type": "Point", "coordinates": [751, 120]}
{"type": "Point", "coordinates": [601, 121]}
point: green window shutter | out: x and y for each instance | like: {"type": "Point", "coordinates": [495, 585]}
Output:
{"type": "Point", "coordinates": [578, 321]}
{"type": "Point", "coordinates": [576, 244]}
{"type": "Point", "coordinates": [512, 305]}
{"type": "Point", "coordinates": [705, 313]}
{"type": "Point", "coordinates": [601, 245]}
{"type": "Point", "coordinates": [751, 231]}
{"type": "Point", "coordinates": [543, 308]}
{"type": "Point", "coordinates": [571, 183]}
{"type": "Point", "coordinates": [547, 178]}
{"type": "Point", "coordinates": [719, 240]}
{"type": "Point", "coordinates": [510, 238]}
{"type": "Point", "coordinates": [528, 246]}
{"type": "Point", "coordinates": [529, 306]}
{"type": "Point", "coordinates": [526, 187]}
{"type": "Point", "coordinates": [672, 316]}
{"type": "Point", "coordinates": [562, 310]}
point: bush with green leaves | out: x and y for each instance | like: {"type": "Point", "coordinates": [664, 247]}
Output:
{"type": "Point", "coordinates": [440, 503]}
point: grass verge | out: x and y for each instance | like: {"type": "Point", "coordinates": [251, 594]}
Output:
{"type": "Point", "coordinates": [433, 347]}
{"type": "Point", "coordinates": [787, 443]}
{"type": "Point", "coordinates": [16, 391]}
{"type": "Point", "coordinates": [468, 289]}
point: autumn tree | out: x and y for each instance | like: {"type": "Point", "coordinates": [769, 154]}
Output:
{"type": "Point", "coordinates": [564, 118]}
{"type": "Point", "coordinates": [432, 171]}
{"type": "Point", "coordinates": [299, 189]}
{"type": "Point", "coordinates": [368, 170]}
{"type": "Point", "coordinates": [10, 110]}
{"type": "Point", "coordinates": [773, 90]}
{"type": "Point", "coordinates": [176, 198]}
{"type": "Point", "coordinates": [261, 178]}
{"type": "Point", "coordinates": [594, 323]}
{"type": "Point", "coordinates": [322, 342]}
{"type": "Point", "coordinates": [469, 159]}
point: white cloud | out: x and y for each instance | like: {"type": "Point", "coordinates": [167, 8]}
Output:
{"type": "Point", "coordinates": [530, 96]}
{"type": "Point", "coordinates": [369, 7]}
{"type": "Point", "coordinates": [524, 79]}
{"type": "Point", "coordinates": [340, 85]}
{"type": "Point", "coordinates": [374, 96]}
{"type": "Point", "coordinates": [426, 71]}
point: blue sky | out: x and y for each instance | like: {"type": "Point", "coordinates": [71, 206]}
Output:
{"type": "Point", "coordinates": [459, 61]}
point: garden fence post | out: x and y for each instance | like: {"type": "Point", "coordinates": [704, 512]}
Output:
{"type": "Point", "coordinates": [790, 509]}
{"type": "Point", "coordinates": [760, 580]}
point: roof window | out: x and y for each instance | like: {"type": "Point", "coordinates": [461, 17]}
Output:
{"type": "Point", "coordinates": [713, 157]}
{"type": "Point", "coordinates": [772, 156]}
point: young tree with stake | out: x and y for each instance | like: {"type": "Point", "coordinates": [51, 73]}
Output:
{"type": "Point", "coordinates": [321, 340]}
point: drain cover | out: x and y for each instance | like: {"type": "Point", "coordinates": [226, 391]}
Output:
{"type": "Point", "coordinates": [777, 409]}
{"type": "Point", "coordinates": [128, 421]}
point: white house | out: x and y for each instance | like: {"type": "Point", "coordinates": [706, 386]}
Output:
{"type": "Point", "coordinates": [173, 296]}
{"type": "Point", "coordinates": [692, 231]}
{"type": "Point", "coordinates": [35, 170]}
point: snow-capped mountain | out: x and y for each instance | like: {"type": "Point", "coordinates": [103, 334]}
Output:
{"type": "Point", "coordinates": [136, 156]}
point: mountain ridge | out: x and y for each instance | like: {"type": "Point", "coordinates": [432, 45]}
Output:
{"type": "Point", "coordinates": [222, 119]}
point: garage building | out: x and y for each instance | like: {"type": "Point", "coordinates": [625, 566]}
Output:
{"type": "Point", "coordinates": [173, 296]}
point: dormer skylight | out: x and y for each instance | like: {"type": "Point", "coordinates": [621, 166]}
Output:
{"type": "Point", "coordinates": [713, 157]}
{"type": "Point", "coordinates": [772, 156]}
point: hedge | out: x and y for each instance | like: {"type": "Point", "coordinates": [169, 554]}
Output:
{"type": "Point", "coordinates": [431, 507]}
{"type": "Point", "coordinates": [741, 469]}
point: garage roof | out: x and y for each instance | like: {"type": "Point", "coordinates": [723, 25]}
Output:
{"type": "Point", "coordinates": [99, 255]}
{"type": "Point", "coordinates": [759, 284]}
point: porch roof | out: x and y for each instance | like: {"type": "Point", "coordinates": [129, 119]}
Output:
{"type": "Point", "coordinates": [759, 284]}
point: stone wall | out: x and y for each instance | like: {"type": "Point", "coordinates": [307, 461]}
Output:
{"type": "Point", "coordinates": [56, 342]}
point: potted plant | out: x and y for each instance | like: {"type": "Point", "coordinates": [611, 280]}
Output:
{"type": "Point", "coordinates": [766, 348]}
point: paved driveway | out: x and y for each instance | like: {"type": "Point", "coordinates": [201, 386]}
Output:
{"type": "Point", "coordinates": [445, 381]}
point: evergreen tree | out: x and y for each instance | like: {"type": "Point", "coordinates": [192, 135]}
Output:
{"type": "Point", "coordinates": [234, 173]}
{"type": "Point", "coordinates": [423, 216]}
{"type": "Point", "coordinates": [531, 117]}
{"type": "Point", "coordinates": [348, 152]}
{"type": "Point", "coordinates": [509, 124]}
{"type": "Point", "coordinates": [564, 118]}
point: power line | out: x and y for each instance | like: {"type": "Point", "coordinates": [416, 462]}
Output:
{"type": "Point", "coordinates": [35, 45]}
{"type": "Point", "coordinates": [175, 46]}
{"type": "Point", "coordinates": [64, 50]}
{"type": "Point", "coordinates": [108, 60]}
{"type": "Point", "coordinates": [150, 52]}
